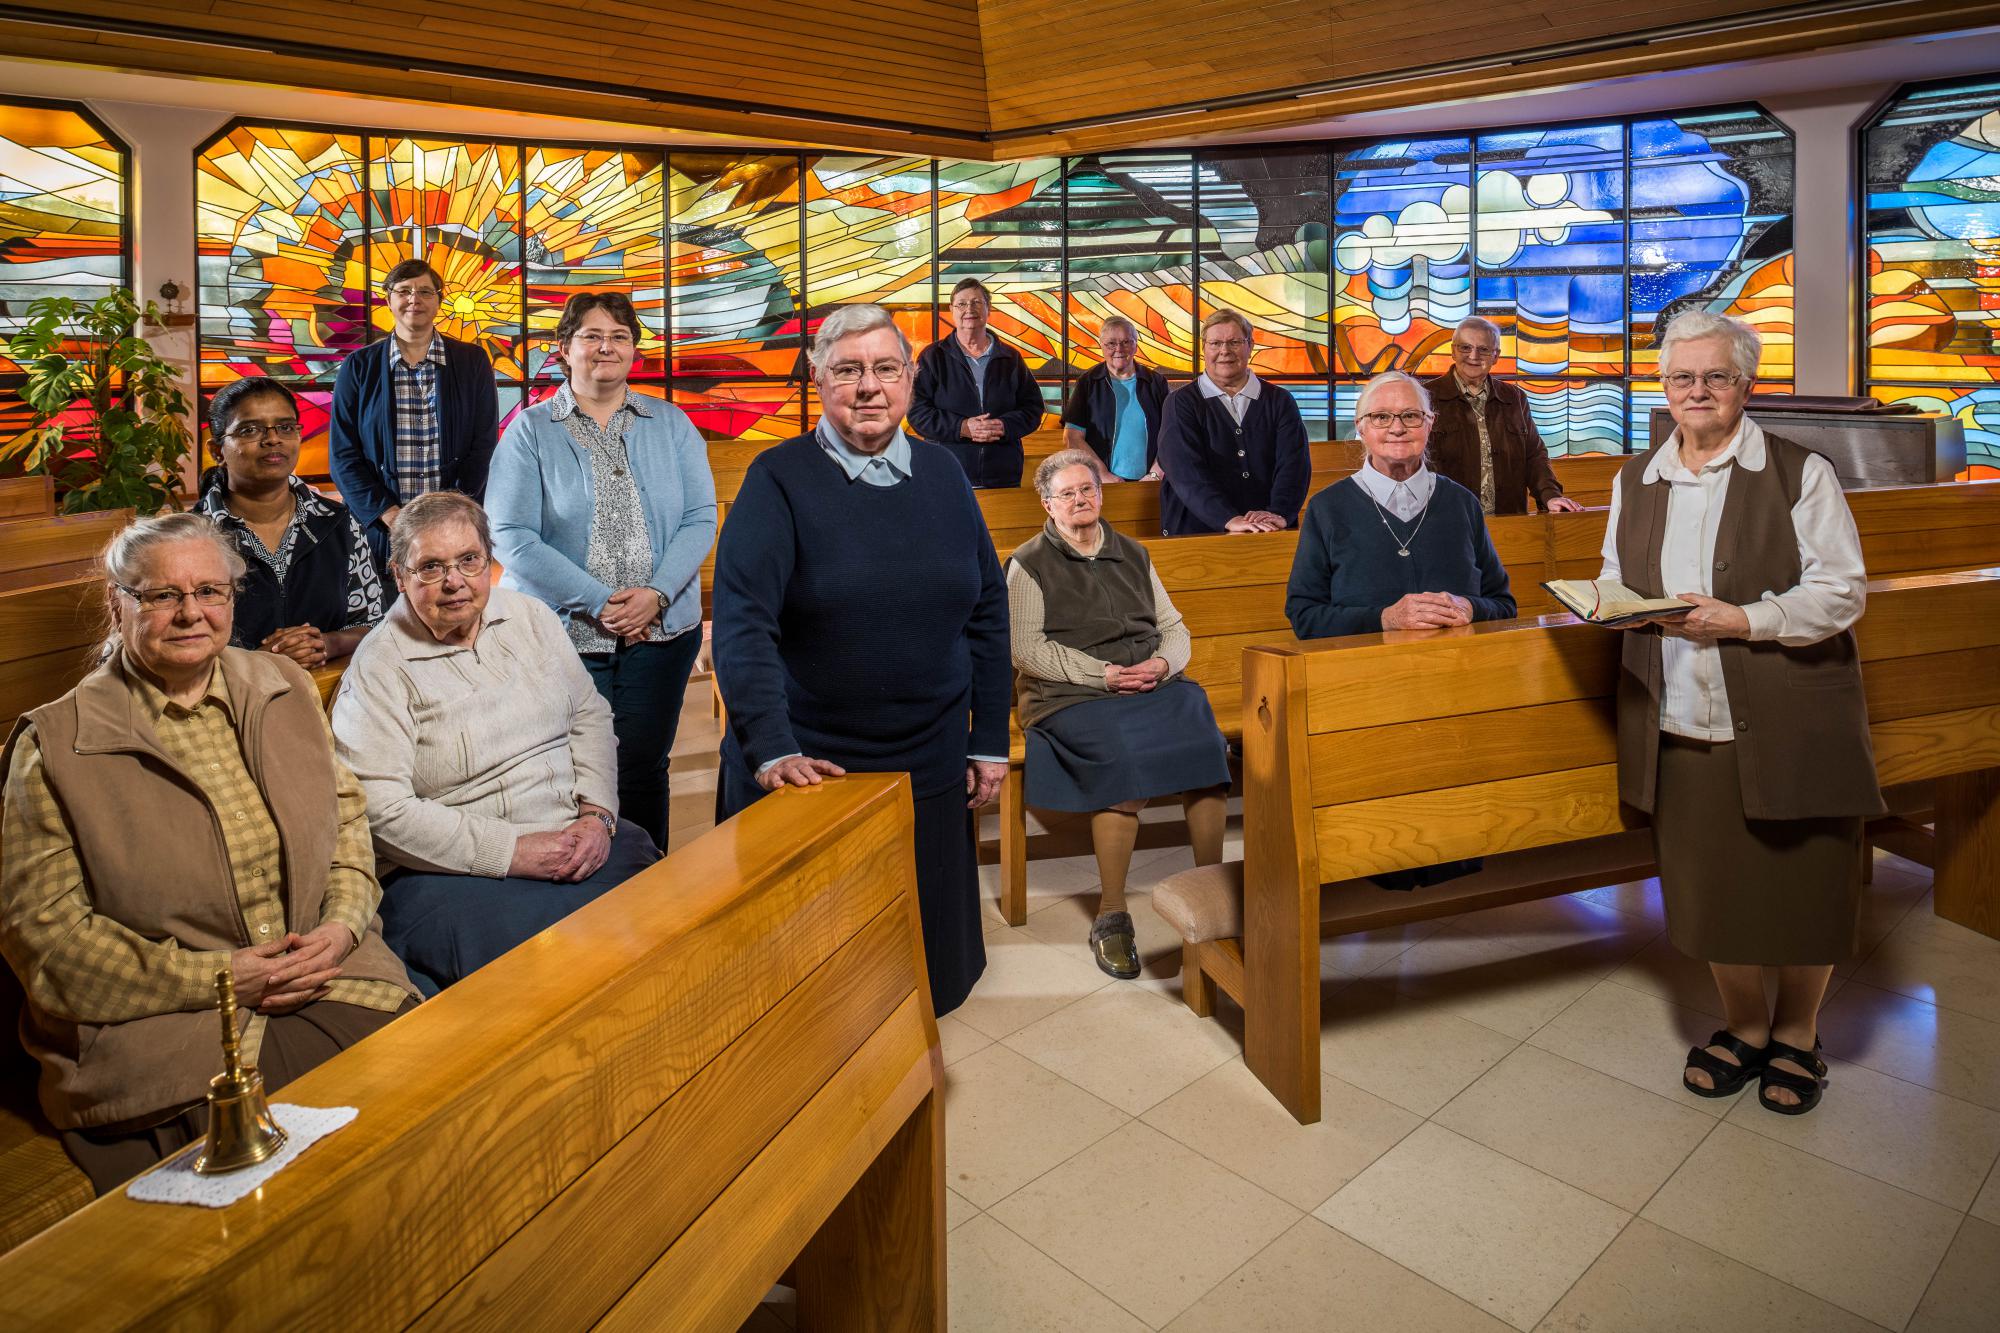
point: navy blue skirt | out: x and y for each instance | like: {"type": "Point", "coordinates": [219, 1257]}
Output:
{"type": "Point", "coordinates": [1126, 747]}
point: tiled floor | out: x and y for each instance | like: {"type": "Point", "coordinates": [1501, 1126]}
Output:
{"type": "Point", "coordinates": [1505, 1143]}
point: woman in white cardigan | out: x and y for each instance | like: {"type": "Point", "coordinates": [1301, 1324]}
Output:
{"type": "Point", "coordinates": [485, 752]}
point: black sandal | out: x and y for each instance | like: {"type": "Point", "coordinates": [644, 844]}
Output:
{"type": "Point", "coordinates": [1728, 1078]}
{"type": "Point", "coordinates": [1807, 1089]}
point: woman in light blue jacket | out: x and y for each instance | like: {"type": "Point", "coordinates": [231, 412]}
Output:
{"type": "Point", "coordinates": [603, 507]}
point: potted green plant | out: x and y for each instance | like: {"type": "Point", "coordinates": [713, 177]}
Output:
{"type": "Point", "coordinates": [110, 418]}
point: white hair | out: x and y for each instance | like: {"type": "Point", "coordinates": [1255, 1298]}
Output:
{"type": "Point", "coordinates": [1746, 348]}
{"type": "Point", "coordinates": [128, 557]}
{"type": "Point", "coordinates": [1478, 322]}
{"type": "Point", "coordinates": [1117, 322]}
{"type": "Point", "coordinates": [850, 321]}
{"type": "Point", "coordinates": [1383, 381]}
{"type": "Point", "coordinates": [1045, 475]}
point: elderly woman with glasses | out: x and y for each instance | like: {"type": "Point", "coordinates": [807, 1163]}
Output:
{"type": "Point", "coordinates": [311, 589]}
{"type": "Point", "coordinates": [1485, 438]}
{"type": "Point", "coordinates": [486, 753]}
{"type": "Point", "coordinates": [861, 625]}
{"type": "Point", "coordinates": [178, 814]}
{"type": "Point", "coordinates": [1395, 546]}
{"type": "Point", "coordinates": [1114, 410]}
{"type": "Point", "coordinates": [1742, 728]}
{"type": "Point", "coordinates": [1232, 448]}
{"type": "Point", "coordinates": [603, 507]}
{"type": "Point", "coordinates": [1111, 722]}
{"type": "Point", "coordinates": [974, 394]}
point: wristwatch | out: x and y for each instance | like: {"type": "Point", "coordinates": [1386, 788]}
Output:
{"type": "Point", "coordinates": [610, 824]}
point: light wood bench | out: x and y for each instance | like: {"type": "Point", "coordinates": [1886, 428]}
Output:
{"type": "Point", "coordinates": [639, 1119]}
{"type": "Point", "coordinates": [1385, 752]}
{"type": "Point", "coordinates": [50, 635]}
{"type": "Point", "coordinates": [54, 549]}
{"type": "Point", "coordinates": [27, 497]}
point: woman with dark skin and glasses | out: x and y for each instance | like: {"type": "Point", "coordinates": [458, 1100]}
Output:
{"type": "Point", "coordinates": [311, 589]}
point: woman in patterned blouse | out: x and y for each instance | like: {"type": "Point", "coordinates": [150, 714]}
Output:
{"type": "Point", "coordinates": [310, 589]}
{"type": "Point", "coordinates": [603, 507]}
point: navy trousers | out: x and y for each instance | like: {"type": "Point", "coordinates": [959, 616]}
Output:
{"type": "Point", "coordinates": [644, 684]}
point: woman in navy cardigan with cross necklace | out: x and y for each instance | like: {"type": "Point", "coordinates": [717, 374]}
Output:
{"type": "Point", "coordinates": [1233, 448]}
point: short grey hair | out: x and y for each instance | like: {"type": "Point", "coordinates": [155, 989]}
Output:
{"type": "Point", "coordinates": [1045, 474]}
{"type": "Point", "coordinates": [1117, 322]}
{"type": "Point", "coordinates": [850, 321]}
{"type": "Point", "coordinates": [1478, 322]}
{"type": "Point", "coordinates": [1225, 315]}
{"type": "Point", "coordinates": [129, 554]}
{"type": "Point", "coordinates": [1746, 347]}
{"type": "Point", "coordinates": [436, 509]}
{"type": "Point", "coordinates": [1383, 381]}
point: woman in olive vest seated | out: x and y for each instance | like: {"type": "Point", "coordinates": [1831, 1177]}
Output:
{"type": "Point", "coordinates": [181, 812]}
{"type": "Point", "coordinates": [310, 589]}
{"type": "Point", "coordinates": [1111, 722]}
{"type": "Point", "coordinates": [1742, 729]}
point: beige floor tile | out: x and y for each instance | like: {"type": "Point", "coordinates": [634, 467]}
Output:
{"type": "Point", "coordinates": [1913, 1138]}
{"type": "Point", "coordinates": [1412, 1052]}
{"type": "Point", "coordinates": [958, 1210]}
{"type": "Point", "coordinates": [1130, 1047]}
{"type": "Point", "coordinates": [1987, 1206]}
{"type": "Point", "coordinates": [1358, 955]}
{"type": "Point", "coordinates": [1886, 905]}
{"type": "Point", "coordinates": [1931, 959]}
{"type": "Point", "coordinates": [1146, 1221]}
{"type": "Point", "coordinates": [1007, 1120]}
{"type": "Point", "coordinates": [1652, 1281]}
{"type": "Point", "coordinates": [958, 1039]}
{"type": "Point", "coordinates": [1631, 1035]}
{"type": "Point", "coordinates": [1964, 1297]}
{"type": "Point", "coordinates": [1313, 1279]}
{"type": "Point", "coordinates": [1024, 980]}
{"type": "Point", "coordinates": [1571, 922]}
{"type": "Point", "coordinates": [1583, 1127]}
{"type": "Point", "coordinates": [1494, 985]}
{"type": "Point", "coordinates": [1661, 969]}
{"type": "Point", "coordinates": [1228, 1117]}
{"type": "Point", "coordinates": [1481, 1225]}
{"type": "Point", "coordinates": [999, 1282]}
{"type": "Point", "coordinates": [1639, 897]}
{"type": "Point", "coordinates": [1065, 924]}
{"type": "Point", "coordinates": [1945, 1049]}
{"type": "Point", "coordinates": [1865, 1246]}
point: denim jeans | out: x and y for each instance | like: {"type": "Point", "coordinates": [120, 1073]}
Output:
{"type": "Point", "coordinates": [644, 684]}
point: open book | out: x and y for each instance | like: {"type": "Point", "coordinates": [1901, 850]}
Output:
{"type": "Point", "coordinates": [1609, 602]}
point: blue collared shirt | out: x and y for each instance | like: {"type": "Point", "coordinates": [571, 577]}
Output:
{"type": "Point", "coordinates": [884, 469]}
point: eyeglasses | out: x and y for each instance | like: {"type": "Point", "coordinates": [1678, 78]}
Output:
{"type": "Point", "coordinates": [888, 372]}
{"type": "Point", "coordinates": [595, 341]}
{"type": "Point", "coordinates": [1225, 344]}
{"type": "Point", "coordinates": [1088, 491]}
{"type": "Point", "coordinates": [1717, 380]}
{"type": "Point", "coordinates": [1384, 420]}
{"type": "Point", "coordinates": [247, 431]}
{"type": "Point", "coordinates": [415, 293]}
{"type": "Point", "coordinates": [1473, 353]}
{"type": "Point", "coordinates": [159, 601]}
{"type": "Point", "coordinates": [470, 565]}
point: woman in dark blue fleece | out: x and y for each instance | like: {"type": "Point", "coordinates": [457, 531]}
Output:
{"type": "Point", "coordinates": [1395, 546]}
{"type": "Point", "coordinates": [861, 620]}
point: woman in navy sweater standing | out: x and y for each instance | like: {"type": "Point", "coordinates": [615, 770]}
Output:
{"type": "Point", "coordinates": [1232, 447]}
{"type": "Point", "coordinates": [974, 394]}
{"type": "Point", "coordinates": [1395, 546]}
{"type": "Point", "coordinates": [860, 619]}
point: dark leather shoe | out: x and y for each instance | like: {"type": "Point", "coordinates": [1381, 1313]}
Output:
{"type": "Point", "coordinates": [1114, 946]}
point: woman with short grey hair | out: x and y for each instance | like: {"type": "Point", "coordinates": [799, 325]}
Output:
{"type": "Point", "coordinates": [1111, 722]}
{"type": "Point", "coordinates": [1114, 409]}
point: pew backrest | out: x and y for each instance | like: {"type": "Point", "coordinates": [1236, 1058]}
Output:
{"type": "Point", "coordinates": [27, 497]}
{"type": "Point", "coordinates": [50, 634]}
{"type": "Point", "coordinates": [637, 1119]}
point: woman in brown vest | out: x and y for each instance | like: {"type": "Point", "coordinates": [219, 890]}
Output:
{"type": "Point", "coordinates": [177, 813]}
{"type": "Point", "coordinates": [1110, 720]}
{"type": "Point", "coordinates": [1742, 729]}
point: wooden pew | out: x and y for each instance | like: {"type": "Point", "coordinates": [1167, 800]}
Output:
{"type": "Point", "coordinates": [27, 497]}
{"type": "Point", "coordinates": [1384, 752]}
{"type": "Point", "coordinates": [53, 549]}
{"type": "Point", "coordinates": [50, 634]}
{"type": "Point", "coordinates": [639, 1119]}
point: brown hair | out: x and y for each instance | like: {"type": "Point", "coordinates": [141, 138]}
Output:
{"type": "Point", "coordinates": [615, 304]}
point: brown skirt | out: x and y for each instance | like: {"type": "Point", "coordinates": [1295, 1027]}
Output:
{"type": "Point", "coordinates": [293, 1044]}
{"type": "Point", "coordinates": [1771, 892]}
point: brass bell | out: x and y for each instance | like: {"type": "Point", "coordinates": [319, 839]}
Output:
{"type": "Point", "coordinates": [241, 1131]}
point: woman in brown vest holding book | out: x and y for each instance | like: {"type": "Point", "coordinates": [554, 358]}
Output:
{"type": "Point", "coordinates": [1111, 722]}
{"type": "Point", "coordinates": [1742, 729]}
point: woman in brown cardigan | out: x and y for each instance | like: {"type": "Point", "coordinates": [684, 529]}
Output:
{"type": "Point", "coordinates": [1742, 728]}
{"type": "Point", "coordinates": [179, 812]}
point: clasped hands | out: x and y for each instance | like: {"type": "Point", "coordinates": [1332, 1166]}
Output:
{"type": "Point", "coordinates": [304, 644]}
{"type": "Point", "coordinates": [1139, 678]}
{"type": "Point", "coordinates": [565, 856]}
{"type": "Point", "coordinates": [983, 429]}
{"type": "Point", "coordinates": [1257, 520]}
{"type": "Point", "coordinates": [287, 974]}
{"type": "Point", "coordinates": [1427, 610]}
{"type": "Point", "coordinates": [629, 613]}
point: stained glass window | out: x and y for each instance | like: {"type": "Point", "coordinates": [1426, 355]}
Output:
{"type": "Point", "coordinates": [1130, 245]}
{"type": "Point", "coordinates": [62, 209]}
{"type": "Point", "coordinates": [1266, 227]}
{"type": "Point", "coordinates": [1933, 266]}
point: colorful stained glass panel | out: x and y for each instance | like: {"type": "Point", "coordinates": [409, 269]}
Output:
{"type": "Point", "coordinates": [1265, 250]}
{"type": "Point", "coordinates": [1131, 252]}
{"type": "Point", "coordinates": [1002, 223]}
{"type": "Point", "coordinates": [592, 223]}
{"type": "Point", "coordinates": [62, 210]}
{"type": "Point", "coordinates": [1401, 254]}
{"type": "Point", "coordinates": [735, 266]}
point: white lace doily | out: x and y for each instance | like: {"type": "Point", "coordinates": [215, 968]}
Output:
{"type": "Point", "coordinates": [175, 1181]}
